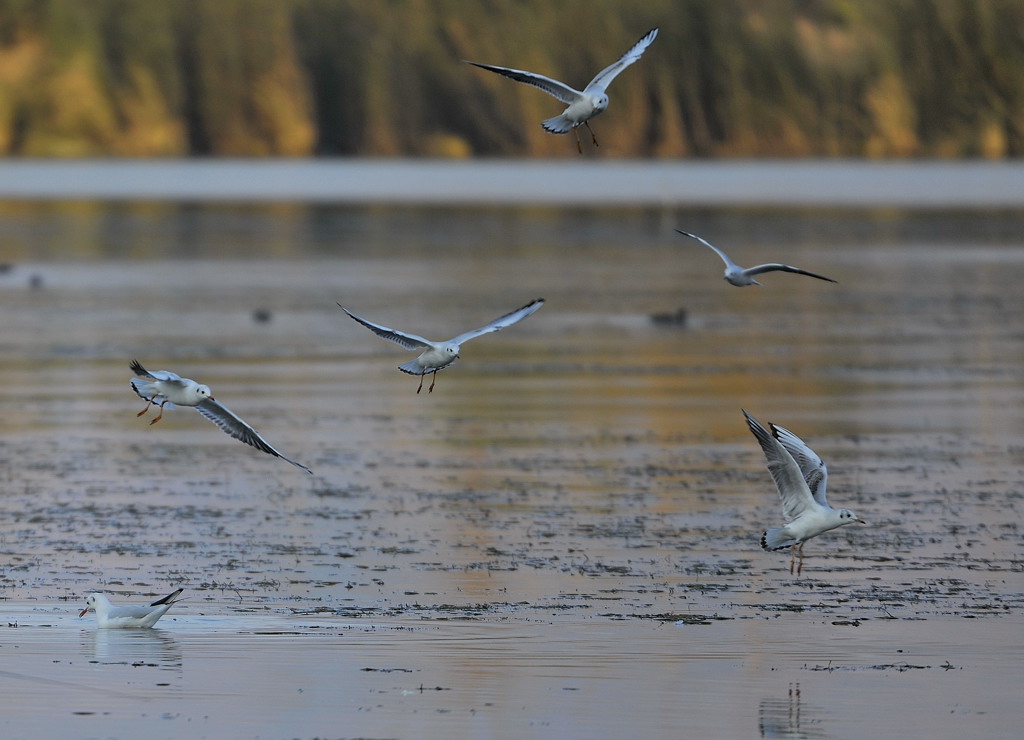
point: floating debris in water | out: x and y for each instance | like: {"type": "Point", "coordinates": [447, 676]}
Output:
{"type": "Point", "coordinates": [676, 318]}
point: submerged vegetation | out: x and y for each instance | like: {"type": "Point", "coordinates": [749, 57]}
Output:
{"type": "Point", "coordinates": [880, 78]}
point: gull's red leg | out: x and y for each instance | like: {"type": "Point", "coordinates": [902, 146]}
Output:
{"type": "Point", "coordinates": [421, 383]}
{"type": "Point", "coordinates": [592, 136]}
{"type": "Point", "coordinates": [159, 416]}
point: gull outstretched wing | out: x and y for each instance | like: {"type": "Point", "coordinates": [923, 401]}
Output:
{"type": "Point", "coordinates": [233, 425]}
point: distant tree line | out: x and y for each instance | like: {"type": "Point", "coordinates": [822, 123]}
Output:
{"type": "Point", "coordinates": [751, 78]}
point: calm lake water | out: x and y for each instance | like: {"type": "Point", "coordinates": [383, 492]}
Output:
{"type": "Point", "coordinates": [562, 539]}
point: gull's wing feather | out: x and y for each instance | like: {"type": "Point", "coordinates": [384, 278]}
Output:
{"type": "Point", "coordinates": [725, 258]}
{"type": "Point", "coordinates": [500, 323]}
{"type": "Point", "coordinates": [129, 612]}
{"type": "Point", "coordinates": [140, 371]}
{"type": "Point", "coordinates": [777, 267]}
{"type": "Point", "coordinates": [605, 76]}
{"type": "Point", "coordinates": [163, 375]}
{"type": "Point", "coordinates": [409, 341]}
{"type": "Point", "coordinates": [796, 496]}
{"type": "Point", "coordinates": [812, 467]}
{"type": "Point", "coordinates": [237, 428]}
{"type": "Point", "coordinates": [168, 599]}
{"type": "Point", "coordinates": [552, 87]}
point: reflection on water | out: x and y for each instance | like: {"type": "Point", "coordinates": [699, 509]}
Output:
{"type": "Point", "coordinates": [153, 231]}
{"type": "Point", "coordinates": [562, 538]}
{"type": "Point", "coordinates": [150, 647]}
{"type": "Point", "coordinates": [788, 718]}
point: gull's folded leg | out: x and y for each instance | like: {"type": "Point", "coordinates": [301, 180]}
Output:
{"type": "Point", "coordinates": [592, 136]}
{"type": "Point", "coordinates": [433, 380]}
{"type": "Point", "coordinates": [421, 383]}
{"type": "Point", "coordinates": [579, 144]}
{"type": "Point", "coordinates": [148, 404]}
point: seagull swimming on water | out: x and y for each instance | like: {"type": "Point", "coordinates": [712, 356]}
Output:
{"type": "Point", "coordinates": [439, 355]}
{"type": "Point", "coordinates": [109, 616]}
{"type": "Point", "coordinates": [163, 387]}
{"type": "Point", "coordinates": [801, 477]}
{"type": "Point", "coordinates": [740, 277]}
{"type": "Point", "coordinates": [582, 105]}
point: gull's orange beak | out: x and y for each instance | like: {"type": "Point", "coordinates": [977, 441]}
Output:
{"type": "Point", "coordinates": [83, 612]}
{"type": "Point", "coordinates": [860, 521]}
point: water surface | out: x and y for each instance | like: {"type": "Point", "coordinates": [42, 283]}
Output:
{"type": "Point", "coordinates": [560, 540]}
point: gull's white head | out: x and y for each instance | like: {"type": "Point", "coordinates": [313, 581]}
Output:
{"type": "Point", "coordinates": [600, 103]}
{"type": "Point", "coordinates": [93, 603]}
{"type": "Point", "coordinates": [848, 517]}
{"type": "Point", "coordinates": [203, 391]}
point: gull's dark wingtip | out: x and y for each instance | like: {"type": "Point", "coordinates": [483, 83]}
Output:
{"type": "Point", "coordinates": [751, 421]}
{"type": "Point", "coordinates": [700, 239]}
{"type": "Point", "coordinates": [757, 429]}
{"type": "Point", "coordinates": [820, 277]}
{"type": "Point", "coordinates": [169, 598]}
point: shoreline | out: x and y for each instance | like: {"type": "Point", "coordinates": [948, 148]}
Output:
{"type": "Point", "coordinates": [817, 183]}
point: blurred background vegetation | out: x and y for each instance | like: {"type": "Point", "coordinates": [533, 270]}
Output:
{"type": "Point", "coordinates": [725, 78]}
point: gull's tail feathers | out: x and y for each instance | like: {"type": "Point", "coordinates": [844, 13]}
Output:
{"type": "Point", "coordinates": [558, 125]}
{"type": "Point", "coordinates": [412, 367]}
{"type": "Point", "coordinates": [776, 538]}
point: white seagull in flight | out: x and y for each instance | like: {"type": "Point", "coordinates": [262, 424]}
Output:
{"type": "Point", "coordinates": [801, 477]}
{"type": "Point", "coordinates": [163, 387]}
{"type": "Point", "coordinates": [439, 355]}
{"type": "Point", "coordinates": [109, 616]}
{"type": "Point", "coordinates": [582, 105]}
{"type": "Point", "coordinates": [736, 275]}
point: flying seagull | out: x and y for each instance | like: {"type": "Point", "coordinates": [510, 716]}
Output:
{"type": "Point", "coordinates": [801, 477]}
{"type": "Point", "coordinates": [439, 355]}
{"type": "Point", "coordinates": [163, 387]}
{"type": "Point", "coordinates": [736, 275]}
{"type": "Point", "coordinates": [109, 616]}
{"type": "Point", "coordinates": [582, 105]}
